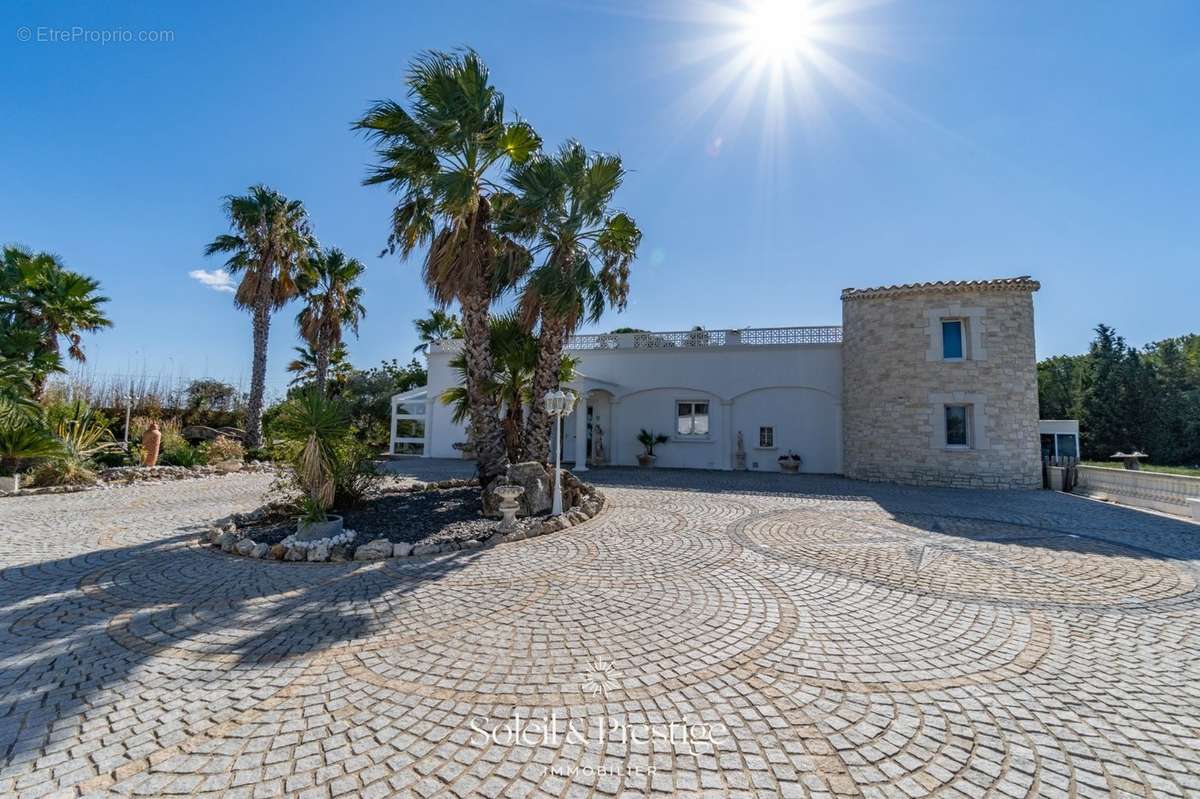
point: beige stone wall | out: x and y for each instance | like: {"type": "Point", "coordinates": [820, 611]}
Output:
{"type": "Point", "coordinates": [895, 384]}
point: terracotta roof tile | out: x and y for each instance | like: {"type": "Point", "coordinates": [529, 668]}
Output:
{"type": "Point", "coordinates": [1021, 283]}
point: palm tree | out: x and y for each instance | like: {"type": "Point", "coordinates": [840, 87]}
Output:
{"type": "Point", "coordinates": [438, 326]}
{"type": "Point", "coordinates": [334, 303]}
{"type": "Point", "coordinates": [304, 366]}
{"type": "Point", "coordinates": [562, 208]}
{"type": "Point", "coordinates": [270, 244]}
{"type": "Point", "coordinates": [42, 298]}
{"type": "Point", "coordinates": [442, 155]}
{"type": "Point", "coordinates": [515, 355]}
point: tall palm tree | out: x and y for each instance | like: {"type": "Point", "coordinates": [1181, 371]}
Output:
{"type": "Point", "coordinates": [270, 243]}
{"type": "Point", "coordinates": [41, 298]}
{"type": "Point", "coordinates": [515, 355]}
{"type": "Point", "coordinates": [562, 208]}
{"type": "Point", "coordinates": [438, 326]}
{"type": "Point", "coordinates": [333, 303]}
{"type": "Point", "coordinates": [443, 155]}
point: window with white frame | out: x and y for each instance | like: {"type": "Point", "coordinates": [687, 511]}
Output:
{"type": "Point", "coordinates": [766, 437]}
{"type": "Point", "coordinates": [958, 426]}
{"type": "Point", "coordinates": [691, 419]}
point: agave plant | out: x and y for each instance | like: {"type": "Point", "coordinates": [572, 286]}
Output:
{"type": "Point", "coordinates": [312, 429]}
{"type": "Point", "coordinates": [82, 432]}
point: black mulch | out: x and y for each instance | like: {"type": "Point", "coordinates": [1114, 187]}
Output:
{"type": "Point", "coordinates": [421, 517]}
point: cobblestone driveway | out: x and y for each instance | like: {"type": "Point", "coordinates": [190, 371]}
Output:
{"type": "Point", "coordinates": [835, 638]}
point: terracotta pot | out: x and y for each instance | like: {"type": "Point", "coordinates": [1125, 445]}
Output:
{"type": "Point", "coordinates": [151, 440]}
{"type": "Point", "coordinates": [646, 461]}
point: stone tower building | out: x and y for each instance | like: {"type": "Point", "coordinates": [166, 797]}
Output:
{"type": "Point", "coordinates": [940, 384]}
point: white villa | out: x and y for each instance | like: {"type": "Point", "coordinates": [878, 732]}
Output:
{"type": "Point", "coordinates": [931, 383]}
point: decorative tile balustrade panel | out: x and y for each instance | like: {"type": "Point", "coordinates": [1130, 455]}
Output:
{"type": "Point", "coordinates": [829, 334]}
{"type": "Point", "coordinates": [1154, 490]}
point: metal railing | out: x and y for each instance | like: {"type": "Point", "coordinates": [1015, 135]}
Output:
{"type": "Point", "coordinates": [754, 336]}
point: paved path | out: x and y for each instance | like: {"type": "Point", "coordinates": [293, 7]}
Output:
{"type": "Point", "coordinates": [832, 638]}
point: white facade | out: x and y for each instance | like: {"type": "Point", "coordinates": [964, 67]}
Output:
{"type": "Point", "coordinates": [786, 380]}
{"type": "Point", "coordinates": [934, 384]}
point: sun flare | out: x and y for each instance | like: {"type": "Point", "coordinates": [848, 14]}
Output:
{"type": "Point", "coordinates": [777, 30]}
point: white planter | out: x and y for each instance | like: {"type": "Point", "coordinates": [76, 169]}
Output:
{"type": "Point", "coordinates": [789, 467]}
{"type": "Point", "coordinates": [314, 531]}
{"type": "Point", "coordinates": [10, 483]}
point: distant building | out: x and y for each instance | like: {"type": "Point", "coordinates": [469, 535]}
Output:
{"type": "Point", "coordinates": [930, 383]}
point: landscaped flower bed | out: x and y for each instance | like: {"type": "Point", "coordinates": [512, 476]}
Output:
{"type": "Point", "coordinates": [420, 519]}
{"type": "Point", "coordinates": [126, 475]}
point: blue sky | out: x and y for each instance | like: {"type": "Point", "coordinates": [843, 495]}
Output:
{"type": "Point", "coordinates": [938, 140]}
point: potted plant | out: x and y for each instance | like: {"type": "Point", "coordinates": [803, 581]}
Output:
{"type": "Point", "coordinates": [790, 463]}
{"type": "Point", "coordinates": [314, 430]}
{"type": "Point", "coordinates": [648, 439]}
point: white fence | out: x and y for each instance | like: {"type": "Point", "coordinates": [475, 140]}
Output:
{"type": "Point", "coordinates": [1169, 493]}
{"type": "Point", "coordinates": [760, 336]}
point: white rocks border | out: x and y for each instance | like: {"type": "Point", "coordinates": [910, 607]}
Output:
{"type": "Point", "coordinates": [128, 475]}
{"type": "Point", "coordinates": [223, 533]}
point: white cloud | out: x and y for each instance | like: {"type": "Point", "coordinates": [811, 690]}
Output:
{"type": "Point", "coordinates": [217, 279]}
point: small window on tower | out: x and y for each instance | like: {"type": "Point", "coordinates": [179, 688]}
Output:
{"type": "Point", "coordinates": [952, 339]}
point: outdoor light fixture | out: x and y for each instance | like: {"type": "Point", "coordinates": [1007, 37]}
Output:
{"type": "Point", "coordinates": [558, 405]}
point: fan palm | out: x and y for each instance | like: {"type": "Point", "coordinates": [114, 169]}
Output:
{"type": "Point", "coordinates": [438, 326]}
{"type": "Point", "coordinates": [562, 207]}
{"type": "Point", "coordinates": [333, 303]}
{"type": "Point", "coordinates": [269, 244]}
{"type": "Point", "coordinates": [43, 299]}
{"type": "Point", "coordinates": [442, 156]}
{"type": "Point", "coordinates": [304, 366]}
{"type": "Point", "coordinates": [515, 356]}
{"type": "Point", "coordinates": [16, 393]}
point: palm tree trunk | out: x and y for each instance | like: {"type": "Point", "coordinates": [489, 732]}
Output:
{"type": "Point", "coordinates": [322, 363]}
{"type": "Point", "coordinates": [258, 372]}
{"type": "Point", "coordinates": [545, 377]}
{"type": "Point", "coordinates": [486, 432]}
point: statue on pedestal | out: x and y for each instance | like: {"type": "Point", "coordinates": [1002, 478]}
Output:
{"type": "Point", "coordinates": [597, 445]}
{"type": "Point", "coordinates": [739, 457]}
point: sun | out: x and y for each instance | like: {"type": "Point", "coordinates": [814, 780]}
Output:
{"type": "Point", "coordinates": [777, 30]}
{"type": "Point", "coordinates": [775, 68]}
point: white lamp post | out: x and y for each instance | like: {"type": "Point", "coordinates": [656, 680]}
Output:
{"type": "Point", "coordinates": [558, 405]}
{"type": "Point", "coordinates": [128, 412]}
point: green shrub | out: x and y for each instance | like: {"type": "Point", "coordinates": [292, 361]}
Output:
{"type": "Point", "coordinates": [112, 458]}
{"type": "Point", "coordinates": [258, 454]}
{"type": "Point", "coordinates": [178, 455]}
{"type": "Point", "coordinates": [354, 474]}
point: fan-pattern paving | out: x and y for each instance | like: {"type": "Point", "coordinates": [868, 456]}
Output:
{"type": "Point", "coordinates": [709, 634]}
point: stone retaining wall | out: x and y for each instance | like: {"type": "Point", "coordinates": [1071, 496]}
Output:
{"type": "Point", "coordinates": [1159, 491]}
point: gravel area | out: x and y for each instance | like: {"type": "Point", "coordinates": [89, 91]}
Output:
{"type": "Point", "coordinates": [415, 518]}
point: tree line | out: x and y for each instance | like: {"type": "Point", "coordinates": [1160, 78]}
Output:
{"type": "Point", "coordinates": [1127, 398]}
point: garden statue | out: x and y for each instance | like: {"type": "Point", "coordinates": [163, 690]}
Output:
{"type": "Point", "coordinates": [151, 440]}
{"type": "Point", "coordinates": [597, 445]}
{"type": "Point", "coordinates": [739, 457]}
